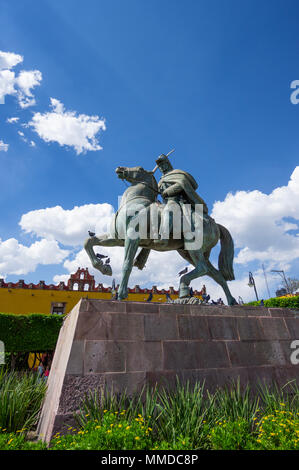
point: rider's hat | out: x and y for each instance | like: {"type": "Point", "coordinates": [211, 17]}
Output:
{"type": "Point", "coordinates": [163, 158]}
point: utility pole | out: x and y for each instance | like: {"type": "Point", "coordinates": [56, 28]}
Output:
{"type": "Point", "coordinates": [266, 280]}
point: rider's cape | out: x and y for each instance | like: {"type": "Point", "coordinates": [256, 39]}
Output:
{"type": "Point", "coordinates": [188, 184]}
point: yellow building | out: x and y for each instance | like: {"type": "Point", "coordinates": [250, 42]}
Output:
{"type": "Point", "coordinates": [21, 298]}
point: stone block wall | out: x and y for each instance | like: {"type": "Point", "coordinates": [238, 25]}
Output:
{"type": "Point", "coordinates": [125, 345]}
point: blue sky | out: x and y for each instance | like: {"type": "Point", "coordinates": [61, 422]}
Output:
{"type": "Point", "coordinates": [211, 79]}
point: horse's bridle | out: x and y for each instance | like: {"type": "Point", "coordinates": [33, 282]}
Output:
{"type": "Point", "coordinates": [124, 179]}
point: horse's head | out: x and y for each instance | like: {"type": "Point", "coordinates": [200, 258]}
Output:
{"type": "Point", "coordinates": [137, 174]}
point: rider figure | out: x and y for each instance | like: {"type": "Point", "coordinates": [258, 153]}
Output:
{"type": "Point", "coordinates": [176, 187]}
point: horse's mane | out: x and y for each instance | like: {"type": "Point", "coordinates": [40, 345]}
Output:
{"type": "Point", "coordinates": [154, 183]}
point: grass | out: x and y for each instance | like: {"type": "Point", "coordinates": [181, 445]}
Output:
{"type": "Point", "coordinates": [192, 418]}
{"type": "Point", "coordinates": [21, 396]}
{"type": "Point", "coordinates": [185, 418]}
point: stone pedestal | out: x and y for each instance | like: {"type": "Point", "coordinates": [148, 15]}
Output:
{"type": "Point", "coordinates": [126, 345]}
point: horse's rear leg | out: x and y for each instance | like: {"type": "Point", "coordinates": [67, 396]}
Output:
{"type": "Point", "coordinates": [200, 269]}
{"type": "Point", "coordinates": [131, 247]}
{"type": "Point", "coordinates": [217, 276]}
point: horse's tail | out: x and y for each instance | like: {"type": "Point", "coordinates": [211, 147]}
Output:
{"type": "Point", "coordinates": [226, 255]}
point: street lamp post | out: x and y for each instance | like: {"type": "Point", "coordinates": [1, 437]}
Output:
{"type": "Point", "coordinates": [251, 283]}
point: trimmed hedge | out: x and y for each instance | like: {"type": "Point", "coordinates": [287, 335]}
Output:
{"type": "Point", "coordinates": [283, 302]}
{"type": "Point", "coordinates": [29, 333]}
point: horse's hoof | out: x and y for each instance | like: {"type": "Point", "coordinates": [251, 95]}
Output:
{"type": "Point", "coordinates": [184, 291]}
{"type": "Point", "coordinates": [107, 270]}
{"type": "Point", "coordinates": [122, 296]}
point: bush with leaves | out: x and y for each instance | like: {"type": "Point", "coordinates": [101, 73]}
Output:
{"type": "Point", "coordinates": [282, 302]}
{"type": "Point", "coordinates": [279, 431]}
{"type": "Point", "coordinates": [114, 431]}
{"type": "Point", "coordinates": [231, 435]}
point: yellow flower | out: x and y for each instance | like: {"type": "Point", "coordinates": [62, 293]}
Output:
{"type": "Point", "coordinates": [137, 438]}
{"type": "Point", "coordinates": [128, 427]}
{"type": "Point", "coordinates": [10, 440]}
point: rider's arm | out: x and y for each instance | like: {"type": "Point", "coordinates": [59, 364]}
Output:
{"type": "Point", "coordinates": [172, 190]}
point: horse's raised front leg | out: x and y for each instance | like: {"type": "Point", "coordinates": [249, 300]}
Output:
{"type": "Point", "coordinates": [131, 247]}
{"type": "Point", "coordinates": [97, 263]}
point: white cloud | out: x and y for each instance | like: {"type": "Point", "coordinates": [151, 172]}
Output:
{"type": "Point", "coordinates": [7, 84]}
{"type": "Point", "coordinates": [258, 224]}
{"type": "Point", "coordinates": [31, 143]}
{"type": "Point", "coordinates": [20, 85]}
{"type": "Point", "coordinates": [8, 60]}
{"type": "Point", "coordinates": [3, 146]}
{"type": "Point", "coordinates": [68, 128]}
{"type": "Point", "coordinates": [12, 120]}
{"type": "Point", "coordinates": [69, 227]}
{"type": "Point", "coordinates": [19, 259]}
{"type": "Point", "coordinates": [61, 278]}
{"type": "Point", "coordinates": [26, 81]}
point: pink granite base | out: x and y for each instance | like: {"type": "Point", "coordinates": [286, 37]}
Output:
{"type": "Point", "coordinates": [126, 345]}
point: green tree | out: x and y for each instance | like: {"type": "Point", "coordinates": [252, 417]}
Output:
{"type": "Point", "coordinates": [293, 284]}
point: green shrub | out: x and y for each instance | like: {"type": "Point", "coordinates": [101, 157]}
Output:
{"type": "Point", "coordinates": [113, 432]}
{"type": "Point", "coordinates": [231, 435]}
{"type": "Point", "coordinates": [182, 443]}
{"type": "Point", "coordinates": [282, 302]}
{"type": "Point", "coordinates": [18, 442]}
{"type": "Point", "coordinates": [235, 403]}
{"type": "Point", "coordinates": [29, 333]}
{"type": "Point", "coordinates": [279, 431]}
{"type": "Point", "coordinates": [279, 398]}
{"type": "Point", "coordinates": [21, 396]}
{"type": "Point", "coordinates": [185, 418]}
{"type": "Point", "coordinates": [143, 403]}
{"type": "Point", "coordinates": [184, 415]}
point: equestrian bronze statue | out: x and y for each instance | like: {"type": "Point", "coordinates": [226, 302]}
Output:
{"type": "Point", "coordinates": [180, 223]}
